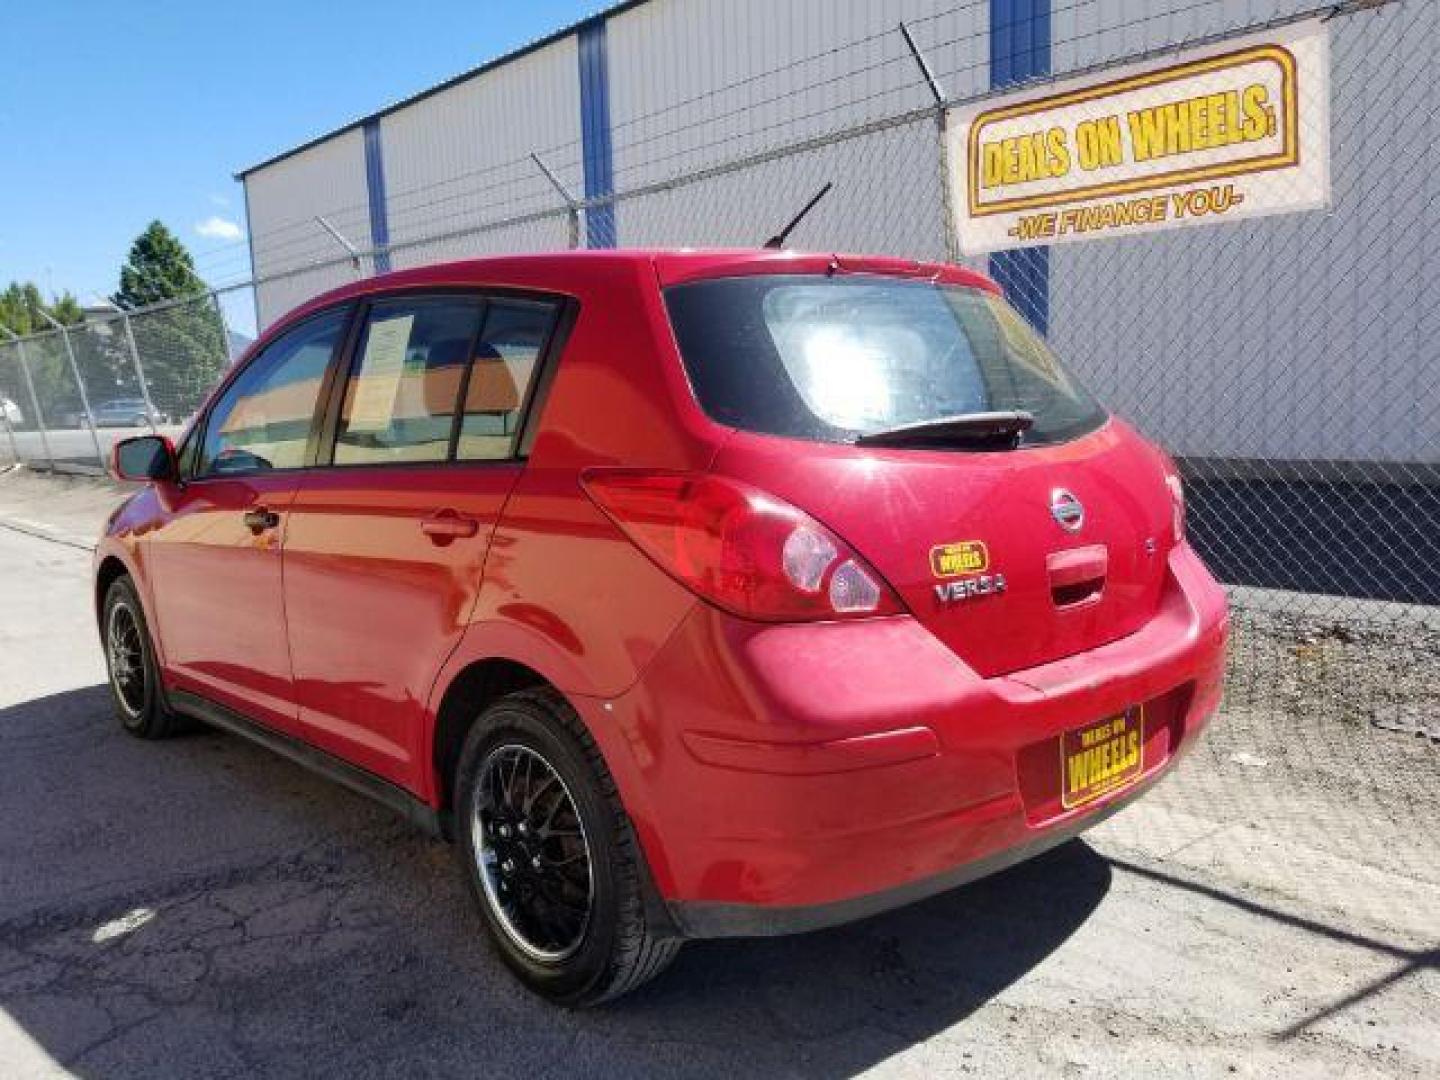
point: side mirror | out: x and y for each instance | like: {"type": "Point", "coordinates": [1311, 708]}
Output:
{"type": "Point", "coordinates": [144, 458]}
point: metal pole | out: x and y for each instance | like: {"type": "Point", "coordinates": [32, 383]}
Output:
{"type": "Point", "coordinates": [139, 371]}
{"type": "Point", "coordinates": [80, 386]}
{"type": "Point", "coordinates": [947, 202]}
{"type": "Point", "coordinates": [34, 398]}
{"type": "Point", "coordinates": [346, 244]}
{"type": "Point", "coordinates": [225, 357]}
{"type": "Point", "coordinates": [572, 208]}
{"type": "Point", "coordinates": [935, 89]}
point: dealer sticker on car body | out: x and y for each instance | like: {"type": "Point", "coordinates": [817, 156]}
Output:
{"type": "Point", "coordinates": [1102, 757]}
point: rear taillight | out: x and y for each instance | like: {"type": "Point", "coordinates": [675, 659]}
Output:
{"type": "Point", "coordinates": [740, 548]}
{"type": "Point", "coordinates": [1177, 504]}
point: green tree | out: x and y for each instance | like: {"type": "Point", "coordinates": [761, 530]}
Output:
{"type": "Point", "coordinates": [21, 304]}
{"type": "Point", "coordinates": [182, 344]}
{"type": "Point", "coordinates": [158, 269]}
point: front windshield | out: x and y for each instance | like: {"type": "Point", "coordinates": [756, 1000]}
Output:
{"type": "Point", "coordinates": [832, 358]}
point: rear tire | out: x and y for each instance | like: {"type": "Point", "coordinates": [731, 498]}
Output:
{"type": "Point", "coordinates": [551, 857]}
{"type": "Point", "coordinates": [130, 660]}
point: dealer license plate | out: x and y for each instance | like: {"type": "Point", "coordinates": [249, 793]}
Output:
{"type": "Point", "coordinates": [1102, 757]}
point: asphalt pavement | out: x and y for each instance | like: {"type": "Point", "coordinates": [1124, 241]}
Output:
{"type": "Point", "coordinates": [198, 907]}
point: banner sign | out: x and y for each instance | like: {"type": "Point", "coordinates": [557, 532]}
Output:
{"type": "Point", "coordinates": [1234, 130]}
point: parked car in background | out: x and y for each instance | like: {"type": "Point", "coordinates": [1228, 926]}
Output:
{"type": "Point", "coordinates": [67, 414]}
{"type": "Point", "coordinates": [127, 412]}
{"type": "Point", "coordinates": [11, 412]}
{"type": "Point", "coordinates": [693, 594]}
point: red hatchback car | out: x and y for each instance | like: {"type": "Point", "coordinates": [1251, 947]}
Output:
{"type": "Point", "coordinates": [691, 593]}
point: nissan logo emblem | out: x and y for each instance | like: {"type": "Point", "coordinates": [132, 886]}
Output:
{"type": "Point", "coordinates": [1067, 510]}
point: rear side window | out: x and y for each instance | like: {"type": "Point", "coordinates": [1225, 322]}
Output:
{"type": "Point", "coordinates": [441, 378]}
{"type": "Point", "coordinates": [515, 334]}
{"type": "Point", "coordinates": [833, 358]}
{"type": "Point", "coordinates": [263, 420]}
{"type": "Point", "coordinates": [400, 401]}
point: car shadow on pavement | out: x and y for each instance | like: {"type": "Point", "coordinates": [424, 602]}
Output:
{"type": "Point", "coordinates": [201, 907]}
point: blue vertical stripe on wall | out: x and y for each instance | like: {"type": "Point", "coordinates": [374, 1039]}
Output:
{"type": "Point", "coordinates": [595, 134]}
{"type": "Point", "coordinates": [375, 192]}
{"type": "Point", "coordinates": [1020, 50]}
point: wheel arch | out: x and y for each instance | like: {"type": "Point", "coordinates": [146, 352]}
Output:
{"type": "Point", "coordinates": [111, 568]}
{"type": "Point", "coordinates": [470, 691]}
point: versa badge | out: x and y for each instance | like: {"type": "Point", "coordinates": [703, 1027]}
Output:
{"type": "Point", "coordinates": [968, 562]}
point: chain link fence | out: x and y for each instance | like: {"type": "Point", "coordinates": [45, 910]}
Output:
{"type": "Point", "coordinates": [1290, 364]}
{"type": "Point", "coordinates": [68, 395]}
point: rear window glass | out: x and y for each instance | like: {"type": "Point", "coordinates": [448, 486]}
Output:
{"type": "Point", "coordinates": [832, 358]}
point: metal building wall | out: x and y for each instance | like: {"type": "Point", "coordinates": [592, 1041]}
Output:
{"type": "Point", "coordinates": [694, 83]}
{"type": "Point", "coordinates": [1188, 331]}
{"type": "Point", "coordinates": [458, 158]}
{"type": "Point", "coordinates": [282, 200]}
{"type": "Point", "coordinates": [672, 87]}
{"type": "Point", "coordinates": [680, 84]}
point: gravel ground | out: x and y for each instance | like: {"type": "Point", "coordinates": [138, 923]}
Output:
{"type": "Point", "coordinates": [1353, 661]}
{"type": "Point", "coordinates": [199, 907]}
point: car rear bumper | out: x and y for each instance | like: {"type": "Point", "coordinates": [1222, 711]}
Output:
{"type": "Point", "coordinates": [708, 919]}
{"type": "Point", "coordinates": [786, 778]}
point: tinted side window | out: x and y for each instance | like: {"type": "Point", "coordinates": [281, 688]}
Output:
{"type": "Point", "coordinates": [401, 397]}
{"type": "Point", "coordinates": [505, 360]}
{"type": "Point", "coordinates": [264, 418]}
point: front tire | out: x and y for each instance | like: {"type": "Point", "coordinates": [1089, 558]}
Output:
{"type": "Point", "coordinates": [550, 854]}
{"type": "Point", "coordinates": [130, 661]}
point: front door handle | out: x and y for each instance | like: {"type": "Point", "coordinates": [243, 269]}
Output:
{"type": "Point", "coordinates": [260, 519]}
{"type": "Point", "coordinates": [448, 525]}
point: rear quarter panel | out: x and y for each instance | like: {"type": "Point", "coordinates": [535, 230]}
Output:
{"type": "Point", "coordinates": [564, 592]}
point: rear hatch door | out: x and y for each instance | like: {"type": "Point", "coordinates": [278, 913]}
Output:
{"type": "Point", "coordinates": [946, 528]}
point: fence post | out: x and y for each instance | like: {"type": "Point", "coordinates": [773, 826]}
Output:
{"type": "Point", "coordinates": [79, 386]}
{"type": "Point", "coordinates": [346, 244]}
{"type": "Point", "coordinates": [224, 330]}
{"type": "Point", "coordinates": [139, 372]}
{"type": "Point", "coordinates": [572, 208]}
{"type": "Point", "coordinates": [35, 403]}
{"type": "Point", "coordinates": [947, 207]}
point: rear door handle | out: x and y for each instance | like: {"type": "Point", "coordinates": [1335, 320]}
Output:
{"type": "Point", "coordinates": [448, 525]}
{"type": "Point", "coordinates": [260, 519]}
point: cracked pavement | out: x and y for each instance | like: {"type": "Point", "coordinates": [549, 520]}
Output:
{"type": "Point", "coordinates": [201, 908]}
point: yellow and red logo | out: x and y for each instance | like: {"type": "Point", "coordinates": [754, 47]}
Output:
{"type": "Point", "coordinates": [959, 559]}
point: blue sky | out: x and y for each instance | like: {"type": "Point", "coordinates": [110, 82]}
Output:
{"type": "Point", "coordinates": [112, 115]}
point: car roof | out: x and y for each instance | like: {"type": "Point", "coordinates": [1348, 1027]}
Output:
{"type": "Point", "coordinates": [567, 270]}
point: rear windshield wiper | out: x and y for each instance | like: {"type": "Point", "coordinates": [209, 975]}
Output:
{"type": "Point", "coordinates": [998, 430]}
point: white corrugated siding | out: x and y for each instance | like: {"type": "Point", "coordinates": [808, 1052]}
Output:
{"type": "Point", "coordinates": [1303, 336]}
{"type": "Point", "coordinates": [283, 198]}
{"type": "Point", "coordinates": [694, 83]}
{"type": "Point", "coordinates": [1210, 338]}
{"type": "Point", "coordinates": [459, 158]}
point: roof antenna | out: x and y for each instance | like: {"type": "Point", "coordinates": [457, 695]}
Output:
{"type": "Point", "coordinates": [776, 242]}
